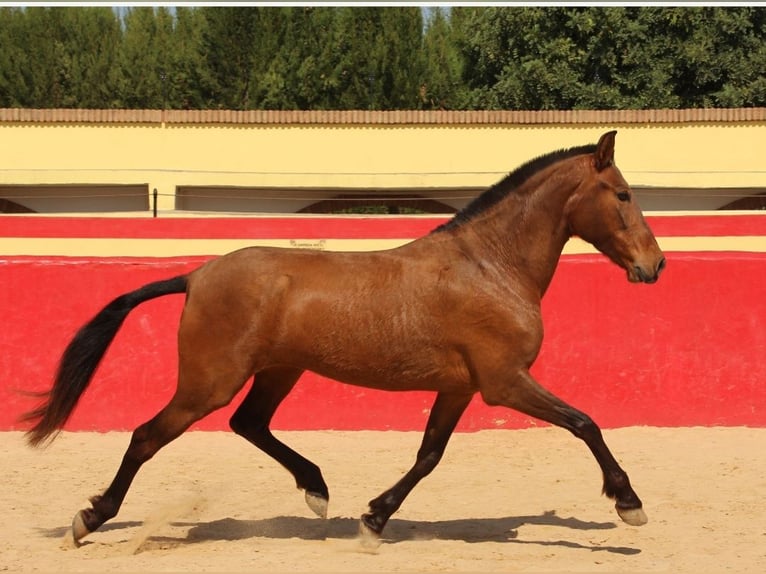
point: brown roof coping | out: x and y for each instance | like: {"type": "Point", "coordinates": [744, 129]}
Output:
{"type": "Point", "coordinates": [397, 117]}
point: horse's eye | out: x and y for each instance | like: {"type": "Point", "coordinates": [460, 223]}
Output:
{"type": "Point", "coordinates": [623, 196]}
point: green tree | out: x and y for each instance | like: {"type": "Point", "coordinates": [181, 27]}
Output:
{"type": "Point", "coordinates": [376, 55]}
{"type": "Point", "coordinates": [58, 57]}
{"type": "Point", "coordinates": [311, 57]}
{"type": "Point", "coordinates": [442, 64]}
{"type": "Point", "coordinates": [530, 58]}
{"type": "Point", "coordinates": [91, 52]}
{"type": "Point", "coordinates": [297, 76]}
{"type": "Point", "coordinates": [229, 38]}
{"type": "Point", "coordinates": [271, 70]}
{"type": "Point", "coordinates": [188, 78]}
{"type": "Point", "coordinates": [14, 91]}
{"type": "Point", "coordinates": [402, 67]}
{"type": "Point", "coordinates": [145, 58]}
{"type": "Point", "coordinates": [310, 65]}
{"type": "Point", "coordinates": [612, 57]}
{"type": "Point", "coordinates": [717, 55]}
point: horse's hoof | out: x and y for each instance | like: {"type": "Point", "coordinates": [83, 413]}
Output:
{"type": "Point", "coordinates": [632, 516]}
{"type": "Point", "coordinates": [317, 503]}
{"type": "Point", "coordinates": [79, 530]}
{"type": "Point", "coordinates": [368, 538]}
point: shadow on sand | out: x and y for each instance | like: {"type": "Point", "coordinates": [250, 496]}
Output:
{"type": "Point", "coordinates": [470, 530]}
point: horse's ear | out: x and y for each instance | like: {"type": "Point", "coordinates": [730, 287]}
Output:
{"type": "Point", "coordinates": [604, 155]}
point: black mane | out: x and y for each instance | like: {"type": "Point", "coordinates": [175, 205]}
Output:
{"type": "Point", "coordinates": [509, 183]}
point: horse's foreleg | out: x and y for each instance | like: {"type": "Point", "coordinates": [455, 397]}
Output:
{"type": "Point", "coordinates": [445, 415]}
{"type": "Point", "coordinates": [251, 421]}
{"type": "Point", "coordinates": [524, 394]}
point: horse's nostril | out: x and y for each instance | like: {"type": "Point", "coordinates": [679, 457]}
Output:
{"type": "Point", "coordinates": [661, 265]}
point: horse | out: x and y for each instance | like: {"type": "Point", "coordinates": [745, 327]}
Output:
{"type": "Point", "coordinates": [456, 312]}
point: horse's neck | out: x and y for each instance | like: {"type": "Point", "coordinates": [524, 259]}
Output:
{"type": "Point", "coordinates": [525, 234]}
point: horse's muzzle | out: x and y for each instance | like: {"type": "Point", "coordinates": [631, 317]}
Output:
{"type": "Point", "coordinates": [650, 277]}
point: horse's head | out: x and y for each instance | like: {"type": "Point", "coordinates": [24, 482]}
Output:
{"type": "Point", "coordinates": [604, 212]}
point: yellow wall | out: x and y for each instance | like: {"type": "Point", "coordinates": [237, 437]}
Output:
{"type": "Point", "coordinates": [707, 155]}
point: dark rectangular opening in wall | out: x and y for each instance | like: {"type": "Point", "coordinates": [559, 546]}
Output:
{"type": "Point", "coordinates": [699, 199]}
{"type": "Point", "coordinates": [222, 199]}
{"type": "Point", "coordinates": [74, 198]}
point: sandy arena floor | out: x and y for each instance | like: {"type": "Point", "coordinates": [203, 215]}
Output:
{"type": "Point", "coordinates": [512, 501]}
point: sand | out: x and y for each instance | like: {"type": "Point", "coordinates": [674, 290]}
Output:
{"type": "Point", "coordinates": [501, 500]}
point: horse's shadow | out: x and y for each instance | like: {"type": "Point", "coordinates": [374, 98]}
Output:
{"type": "Point", "coordinates": [470, 530]}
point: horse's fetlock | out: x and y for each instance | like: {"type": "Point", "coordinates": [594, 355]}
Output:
{"type": "Point", "coordinates": [375, 504]}
{"type": "Point", "coordinates": [617, 487]}
{"type": "Point", "coordinates": [616, 482]}
{"type": "Point", "coordinates": [89, 520]}
{"type": "Point", "coordinates": [374, 522]}
{"type": "Point", "coordinates": [104, 508]}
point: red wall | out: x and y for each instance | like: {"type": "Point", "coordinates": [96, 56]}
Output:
{"type": "Point", "coordinates": [686, 351]}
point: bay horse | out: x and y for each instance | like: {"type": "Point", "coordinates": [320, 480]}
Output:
{"type": "Point", "coordinates": [456, 312]}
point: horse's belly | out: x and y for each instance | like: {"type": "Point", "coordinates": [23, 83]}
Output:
{"type": "Point", "coordinates": [384, 369]}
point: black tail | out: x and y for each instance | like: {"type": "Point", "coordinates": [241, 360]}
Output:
{"type": "Point", "coordinates": [83, 355]}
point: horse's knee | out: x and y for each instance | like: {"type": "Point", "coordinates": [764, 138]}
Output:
{"type": "Point", "coordinates": [583, 427]}
{"type": "Point", "coordinates": [427, 461]}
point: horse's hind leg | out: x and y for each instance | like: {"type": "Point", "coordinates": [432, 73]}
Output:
{"type": "Point", "coordinates": [146, 440]}
{"type": "Point", "coordinates": [445, 415]}
{"type": "Point", "coordinates": [206, 382]}
{"type": "Point", "coordinates": [251, 421]}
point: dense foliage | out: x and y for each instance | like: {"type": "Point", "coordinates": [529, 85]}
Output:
{"type": "Point", "coordinates": [383, 58]}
